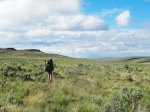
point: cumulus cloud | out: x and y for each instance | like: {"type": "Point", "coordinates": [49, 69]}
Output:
{"type": "Point", "coordinates": [58, 14]}
{"type": "Point", "coordinates": [123, 18]}
{"type": "Point", "coordinates": [74, 23]}
{"type": "Point", "coordinates": [15, 12]}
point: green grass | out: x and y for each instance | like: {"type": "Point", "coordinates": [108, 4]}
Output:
{"type": "Point", "coordinates": [79, 85]}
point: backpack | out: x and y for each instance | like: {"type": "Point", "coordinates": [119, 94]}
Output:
{"type": "Point", "coordinates": [49, 67]}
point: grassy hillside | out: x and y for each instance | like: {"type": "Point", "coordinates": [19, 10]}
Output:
{"type": "Point", "coordinates": [79, 85]}
{"type": "Point", "coordinates": [138, 59]}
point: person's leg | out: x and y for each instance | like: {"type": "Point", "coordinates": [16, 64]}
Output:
{"type": "Point", "coordinates": [48, 76]}
{"type": "Point", "coordinates": [51, 77]}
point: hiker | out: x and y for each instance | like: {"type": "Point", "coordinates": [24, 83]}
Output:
{"type": "Point", "coordinates": [49, 68]}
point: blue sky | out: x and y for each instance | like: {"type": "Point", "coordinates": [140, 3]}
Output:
{"type": "Point", "coordinates": [138, 8]}
{"type": "Point", "coordinates": [77, 28]}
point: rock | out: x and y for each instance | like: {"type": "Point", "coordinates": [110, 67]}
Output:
{"type": "Point", "coordinates": [8, 49]}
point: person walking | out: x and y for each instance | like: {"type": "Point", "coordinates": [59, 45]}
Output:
{"type": "Point", "coordinates": [49, 69]}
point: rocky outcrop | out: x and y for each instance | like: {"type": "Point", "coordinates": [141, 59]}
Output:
{"type": "Point", "coordinates": [8, 49]}
{"type": "Point", "coordinates": [13, 49]}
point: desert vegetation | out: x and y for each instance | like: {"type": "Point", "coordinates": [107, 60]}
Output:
{"type": "Point", "coordinates": [79, 85]}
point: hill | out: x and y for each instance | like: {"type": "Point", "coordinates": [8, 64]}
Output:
{"type": "Point", "coordinates": [79, 85]}
{"type": "Point", "coordinates": [26, 53]}
{"type": "Point", "coordinates": [13, 49]}
{"type": "Point", "coordinates": [137, 59]}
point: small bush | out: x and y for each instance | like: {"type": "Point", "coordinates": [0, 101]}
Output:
{"type": "Point", "coordinates": [126, 67]}
{"type": "Point", "coordinates": [26, 77]}
{"type": "Point", "coordinates": [129, 78]}
{"type": "Point", "coordinates": [98, 101]}
{"type": "Point", "coordinates": [80, 65]}
{"type": "Point", "coordinates": [10, 98]}
{"type": "Point", "coordinates": [4, 109]}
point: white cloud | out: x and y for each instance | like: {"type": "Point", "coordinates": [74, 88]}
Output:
{"type": "Point", "coordinates": [97, 42]}
{"type": "Point", "coordinates": [94, 23]}
{"type": "Point", "coordinates": [81, 43]}
{"type": "Point", "coordinates": [56, 14]}
{"type": "Point", "coordinates": [15, 12]}
{"type": "Point", "coordinates": [71, 23]}
{"type": "Point", "coordinates": [123, 19]}
{"type": "Point", "coordinates": [110, 12]}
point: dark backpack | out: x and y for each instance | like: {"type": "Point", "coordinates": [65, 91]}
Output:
{"type": "Point", "coordinates": [49, 66]}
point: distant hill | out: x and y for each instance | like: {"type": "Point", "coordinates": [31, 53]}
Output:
{"type": "Point", "coordinates": [138, 59]}
{"type": "Point", "coordinates": [27, 52]}
{"type": "Point", "coordinates": [13, 49]}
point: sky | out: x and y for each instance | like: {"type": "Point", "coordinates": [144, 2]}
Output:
{"type": "Point", "coordinates": [77, 28]}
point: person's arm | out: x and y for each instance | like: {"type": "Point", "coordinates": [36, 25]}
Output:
{"type": "Point", "coordinates": [52, 66]}
{"type": "Point", "coordinates": [45, 63]}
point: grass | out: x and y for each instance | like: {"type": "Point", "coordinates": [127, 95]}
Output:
{"type": "Point", "coordinates": [79, 85]}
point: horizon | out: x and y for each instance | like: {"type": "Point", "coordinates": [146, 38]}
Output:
{"type": "Point", "coordinates": [107, 57]}
{"type": "Point", "coordinates": [77, 28]}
